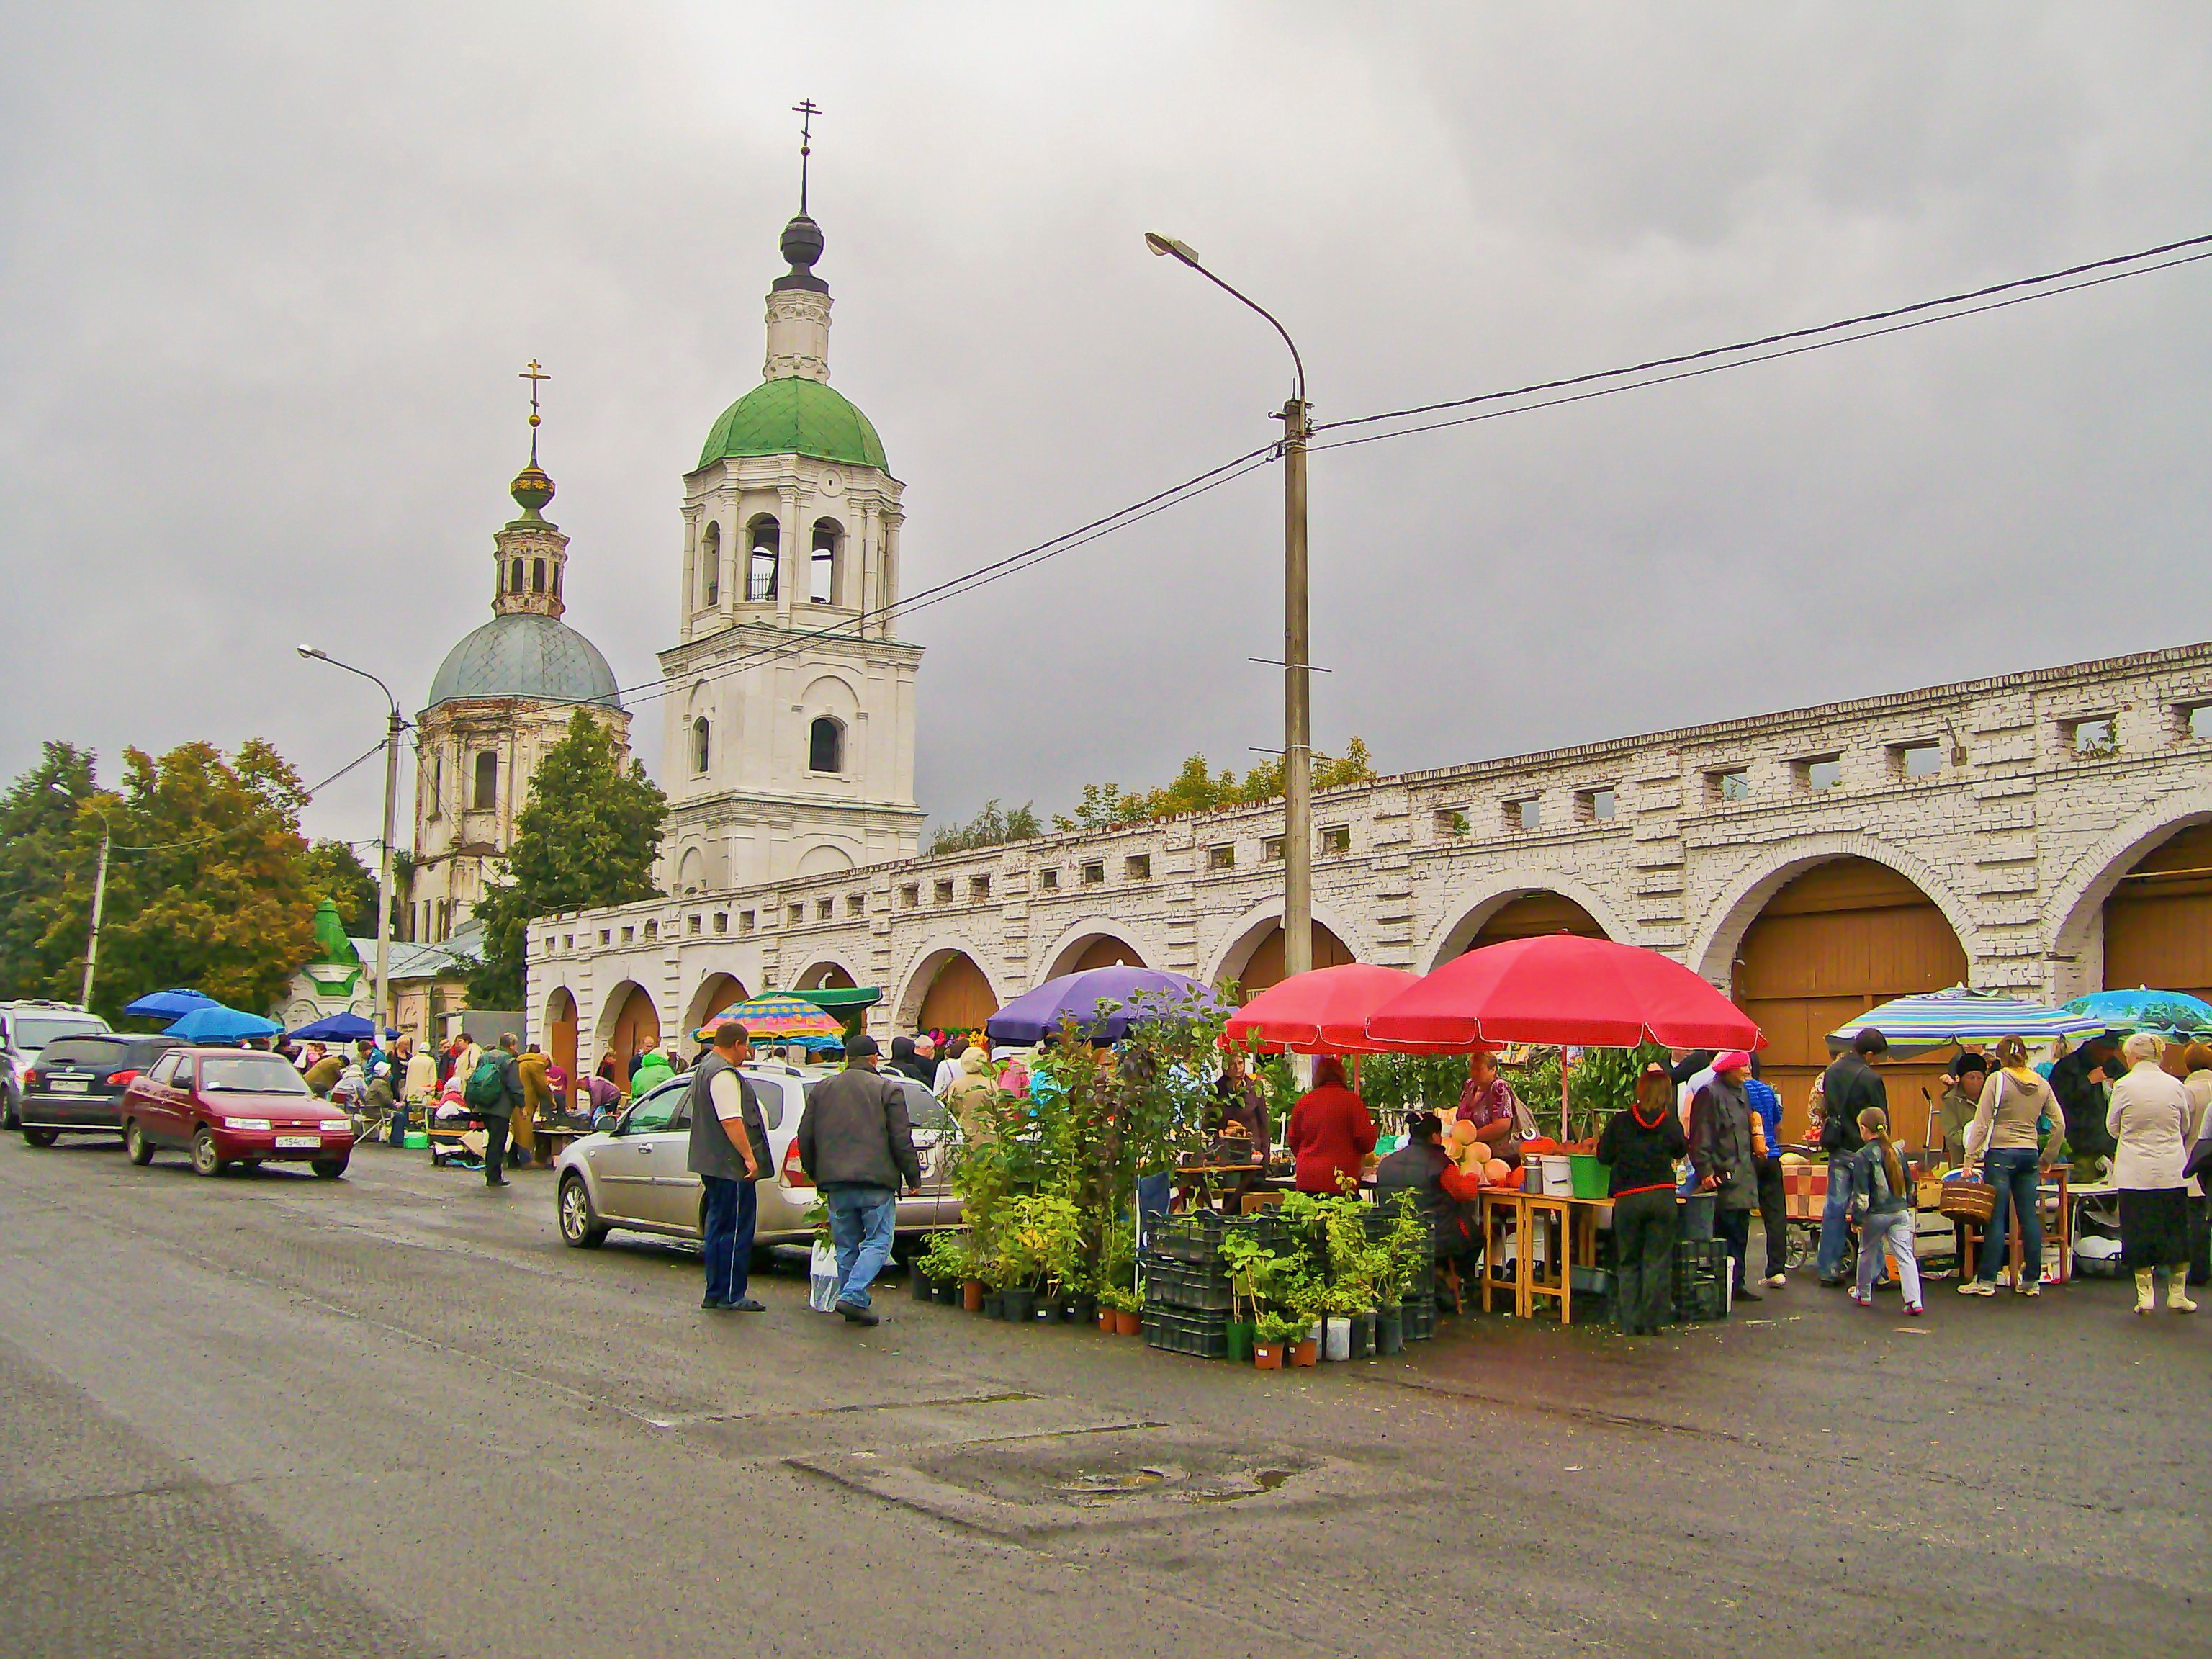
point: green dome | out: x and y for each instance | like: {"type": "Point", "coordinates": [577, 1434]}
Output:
{"type": "Point", "coordinates": [795, 417]}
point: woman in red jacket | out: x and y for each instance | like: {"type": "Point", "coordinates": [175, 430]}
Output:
{"type": "Point", "coordinates": [1330, 1132]}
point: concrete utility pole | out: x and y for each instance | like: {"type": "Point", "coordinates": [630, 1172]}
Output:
{"type": "Point", "coordinates": [99, 894]}
{"type": "Point", "coordinates": [1298, 674]}
{"type": "Point", "coordinates": [392, 731]}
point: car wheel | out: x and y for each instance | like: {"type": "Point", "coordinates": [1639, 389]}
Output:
{"type": "Point", "coordinates": [328, 1168]}
{"type": "Point", "coordinates": [135, 1144]}
{"type": "Point", "coordinates": [13, 1119]}
{"type": "Point", "coordinates": [206, 1161]}
{"type": "Point", "coordinates": [579, 1225]}
{"type": "Point", "coordinates": [41, 1136]}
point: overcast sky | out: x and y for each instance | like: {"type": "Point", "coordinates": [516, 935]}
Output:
{"type": "Point", "coordinates": [267, 274]}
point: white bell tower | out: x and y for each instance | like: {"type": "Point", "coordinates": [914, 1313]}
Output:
{"type": "Point", "coordinates": [790, 713]}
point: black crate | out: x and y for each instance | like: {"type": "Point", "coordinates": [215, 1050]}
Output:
{"type": "Point", "coordinates": [1420, 1319]}
{"type": "Point", "coordinates": [1178, 1330]}
{"type": "Point", "coordinates": [1701, 1256]}
{"type": "Point", "coordinates": [1197, 1286]}
{"type": "Point", "coordinates": [1703, 1299]}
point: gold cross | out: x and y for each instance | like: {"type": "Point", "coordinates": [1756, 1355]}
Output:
{"type": "Point", "coordinates": [534, 373]}
{"type": "Point", "coordinates": [806, 109]}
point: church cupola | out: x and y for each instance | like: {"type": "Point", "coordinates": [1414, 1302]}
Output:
{"type": "Point", "coordinates": [529, 554]}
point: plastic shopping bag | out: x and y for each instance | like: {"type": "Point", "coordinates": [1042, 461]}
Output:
{"type": "Point", "coordinates": [821, 1278]}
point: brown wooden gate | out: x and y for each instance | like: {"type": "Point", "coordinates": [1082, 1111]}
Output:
{"type": "Point", "coordinates": [1838, 940]}
{"type": "Point", "coordinates": [2158, 922]}
{"type": "Point", "coordinates": [1264, 967]}
{"type": "Point", "coordinates": [959, 999]}
{"type": "Point", "coordinates": [1534, 915]}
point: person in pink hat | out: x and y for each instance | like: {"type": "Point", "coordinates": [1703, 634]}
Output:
{"type": "Point", "coordinates": [1724, 1154]}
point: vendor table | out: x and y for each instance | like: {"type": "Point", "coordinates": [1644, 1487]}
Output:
{"type": "Point", "coordinates": [1571, 1225]}
{"type": "Point", "coordinates": [2055, 1198]}
{"type": "Point", "coordinates": [552, 1142]}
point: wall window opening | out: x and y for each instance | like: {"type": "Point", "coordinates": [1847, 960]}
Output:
{"type": "Point", "coordinates": [767, 554]}
{"type": "Point", "coordinates": [487, 795]}
{"type": "Point", "coordinates": [710, 566]}
{"type": "Point", "coordinates": [701, 745]}
{"type": "Point", "coordinates": [825, 746]}
{"type": "Point", "coordinates": [822, 570]}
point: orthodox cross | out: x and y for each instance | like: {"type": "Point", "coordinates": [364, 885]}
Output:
{"type": "Point", "coordinates": [534, 373]}
{"type": "Point", "coordinates": [806, 109]}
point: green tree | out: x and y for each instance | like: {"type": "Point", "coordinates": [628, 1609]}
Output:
{"type": "Point", "coordinates": [1196, 787]}
{"type": "Point", "coordinates": [587, 836]}
{"type": "Point", "coordinates": [989, 828]}
{"type": "Point", "coordinates": [42, 858]}
{"type": "Point", "coordinates": [335, 871]}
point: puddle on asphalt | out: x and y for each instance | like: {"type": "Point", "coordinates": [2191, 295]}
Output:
{"type": "Point", "coordinates": [1088, 1472]}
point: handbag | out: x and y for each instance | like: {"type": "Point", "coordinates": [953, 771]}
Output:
{"type": "Point", "coordinates": [1973, 1201]}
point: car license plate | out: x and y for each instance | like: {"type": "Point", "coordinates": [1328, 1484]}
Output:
{"type": "Point", "coordinates": [299, 1143]}
{"type": "Point", "coordinates": [72, 1086]}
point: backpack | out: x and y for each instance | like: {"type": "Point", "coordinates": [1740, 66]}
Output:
{"type": "Point", "coordinates": [485, 1085]}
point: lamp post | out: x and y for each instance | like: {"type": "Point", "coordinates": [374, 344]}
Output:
{"type": "Point", "coordinates": [391, 731]}
{"type": "Point", "coordinates": [99, 890]}
{"type": "Point", "coordinates": [1297, 679]}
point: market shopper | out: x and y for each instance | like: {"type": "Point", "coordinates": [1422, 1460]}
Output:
{"type": "Point", "coordinates": [1331, 1132]}
{"type": "Point", "coordinates": [1773, 1199]}
{"type": "Point", "coordinates": [323, 1074]}
{"type": "Point", "coordinates": [729, 1152]}
{"type": "Point", "coordinates": [907, 1063]}
{"type": "Point", "coordinates": [2003, 1140]}
{"type": "Point", "coordinates": [495, 1104]}
{"type": "Point", "coordinates": [1886, 1227]}
{"type": "Point", "coordinates": [538, 1103]}
{"type": "Point", "coordinates": [2148, 1122]}
{"type": "Point", "coordinates": [1724, 1154]}
{"type": "Point", "coordinates": [1962, 1096]}
{"type": "Point", "coordinates": [1640, 1145]}
{"type": "Point", "coordinates": [652, 1069]}
{"type": "Point", "coordinates": [972, 1100]}
{"type": "Point", "coordinates": [2196, 1060]}
{"type": "Point", "coordinates": [2082, 1083]}
{"type": "Point", "coordinates": [1443, 1192]}
{"type": "Point", "coordinates": [855, 1143]}
{"type": "Point", "coordinates": [1848, 1087]}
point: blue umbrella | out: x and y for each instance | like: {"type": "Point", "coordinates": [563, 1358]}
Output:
{"type": "Point", "coordinates": [168, 1005]}
{"type": "Point", "coordinates": [1137, 991]}
{"type": "Point", "coordinates": [213, 1023]}
{"type": "Point", "coordinates": [336, 1028]}
{"type": "Point", "coordinates": [2146, 1010]}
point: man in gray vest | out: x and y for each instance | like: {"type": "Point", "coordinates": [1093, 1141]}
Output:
{"type": "Point", "coordinates": [729, 1152]}
{"type": "Point", "coordinates": [855, 1144]}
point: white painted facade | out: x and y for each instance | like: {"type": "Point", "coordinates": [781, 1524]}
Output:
{"type": "Point", "coordinates": [2018, 832]}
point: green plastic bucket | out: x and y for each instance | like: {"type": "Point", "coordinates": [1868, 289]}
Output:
{"type": "Point", "coordinates": [1588, 1176]}
{"type": "Point", "coordinates": [416, 1140]}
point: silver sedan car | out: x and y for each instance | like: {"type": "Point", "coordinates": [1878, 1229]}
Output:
{"type": "Point", "coordinates": [633, 1175]}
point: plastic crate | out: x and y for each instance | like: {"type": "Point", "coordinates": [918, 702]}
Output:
{"type": "Point", "coordinates": [1201, 1286]}
{"type": "Point", "coordinates": [1177, 1330]}
{"type": "Point", "coordinates": [1701, 1256]}
{"type": "Point", "coordinates": [1702, 1300]}
{"type": "Point", "coordinates": [1420, 1319]}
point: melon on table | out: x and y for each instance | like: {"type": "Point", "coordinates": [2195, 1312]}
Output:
{"type": "Point", "coordinates": [1793, 1160]}
{"type": "Point", "coordinates": [1463, 1133]}
{"type": "Point", "coordinates": [1496, 1171]}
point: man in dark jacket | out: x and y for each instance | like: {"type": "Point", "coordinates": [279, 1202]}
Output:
{"type": "Point", "coordinates": [496, 1115]}
{"type": "Point", "coordinates": [728, 1151]}
{"type": "Point", "coordinates": [855, 1144]}
{"type": "Point", "coordinates": [2079, 1081]}
{"type": "Point", "coordinates": [1721, 1152]}
{"type": "Point", "coordinates": [1441, 1193]}
{"type": "Point", "coordinates": [1848, 1087]}
{"type": "Point", "coordinates": [907, 1063]}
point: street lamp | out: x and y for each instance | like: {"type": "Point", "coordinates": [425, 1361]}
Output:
{"type": "Point", "coordinates": [99, 887]}
{"type": "Point", "coordinates": [391, 806]}
{"type": "Point", "coordinates": [1297, 681]}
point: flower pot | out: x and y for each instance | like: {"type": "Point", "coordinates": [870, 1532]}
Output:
{"type": "Point", "coordinates": [994, 1304]}
{"type": "Point", "coordinates": [971, 1295]}
{"type": "Point", "coordinates": [1389, 1330]}
{"type": "Point", "coordinates": [1106, 1322]}
{"type": "Point", "coordinates": [1267, 1356]}
{"type": "Point", "coordinates": [1240, 1341]}
{"type": "Point", "coordinates": [920, 1286]}
{"type": "Point", "coordinates": [1363, 1335]}
{"type": "Point", "coordinates": [1128, 1322]}
{"type": "Point", "coordinates": [1017, 1305]}
{"type": "Point", "coordinates": [1307, 1353]}
{"type": "Point", "coordinates": [1083, 1310]}
{"type": "Point", "coordinates": [1336, 1341]}
{"type": "Point", "coordinates": [948, 1294]}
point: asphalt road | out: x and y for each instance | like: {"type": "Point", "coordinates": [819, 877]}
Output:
{"type": "Point", "coordinates": [394, 1415]}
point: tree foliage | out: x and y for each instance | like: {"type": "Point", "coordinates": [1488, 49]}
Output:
{"type": "Point", "coordinates": [1196, 788]}
{"type": "Point", "coordinates": [335, 871]}
{"type": "Point", "coordinates": [989, 828]}
{"type": "Point", "coordinates": [207, 884]}
{"type": "Point", "coordinates": [587, 836]}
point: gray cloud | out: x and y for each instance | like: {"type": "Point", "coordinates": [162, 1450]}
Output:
{"type": "Point", "coordinates": [270, 270]}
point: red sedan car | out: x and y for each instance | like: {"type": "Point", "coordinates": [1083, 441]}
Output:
{"type": "Point", "coordinates": [228, 1106]}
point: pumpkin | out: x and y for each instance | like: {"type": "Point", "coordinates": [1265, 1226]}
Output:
{"type": "Point", "coordinates": [1496, 1171]}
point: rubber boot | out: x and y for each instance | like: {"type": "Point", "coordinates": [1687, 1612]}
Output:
{"type": "Point", "coordinates": [2177, 1290]}
{"type": "Point", "coordinates": [2146, 1297]}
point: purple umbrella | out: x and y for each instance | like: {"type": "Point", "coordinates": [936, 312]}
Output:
{"type": "Point", "coordinates": [1141, 992]}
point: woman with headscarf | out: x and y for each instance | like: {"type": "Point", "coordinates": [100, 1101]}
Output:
{"type": "Point", "coordinates": [971, 1100]}
{"type": "Point", "coordinates": [1724, 1152]}
{"type": "Point", "coordinates": [2002, 1138]}
{"type": "Point", "coordinates": [1331, 1132]}
{"type": "Point", "coordinates": [2148, 1121]}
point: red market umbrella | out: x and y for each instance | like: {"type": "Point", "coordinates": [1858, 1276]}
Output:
{"type": "Point", "coordinates": [1559, 988]}
{"type": "Point", "coordinates": [1325, 1011]}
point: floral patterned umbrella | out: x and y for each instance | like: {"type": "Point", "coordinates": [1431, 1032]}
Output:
{"type": "Point", "coordinates": [776, 1018]}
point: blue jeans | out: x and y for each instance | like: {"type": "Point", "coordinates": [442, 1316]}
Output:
{"type": "Point", "coordinates": [2013, 1171]}
{"type": "Point", "coordinates": [731, 1209]}
{"type": "Point", "coordinates": [863, 1221]}
{"type": "Point", "coordinates": [1835, 1216]}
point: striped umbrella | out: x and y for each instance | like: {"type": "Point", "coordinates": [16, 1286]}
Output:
{"type": "Point", "coordinates": [776, 1018]}
{"type": "Point", "coordinates": [1938, 1019]}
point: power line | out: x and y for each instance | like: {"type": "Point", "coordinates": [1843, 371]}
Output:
{"type": "Point", "coordinates": [1797, 333]}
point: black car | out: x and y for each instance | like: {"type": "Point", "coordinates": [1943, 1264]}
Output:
{"type": "Point", "coordinates": [78, 1081]}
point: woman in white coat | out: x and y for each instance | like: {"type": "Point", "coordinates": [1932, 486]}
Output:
{"type": "Point", "coordinates": [2149, 1118]}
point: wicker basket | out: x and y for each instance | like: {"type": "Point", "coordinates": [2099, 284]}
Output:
{"type": "Point", "coordinates": [1969, 1200]}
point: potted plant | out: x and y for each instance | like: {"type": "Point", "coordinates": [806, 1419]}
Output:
{"type": "Point", "coordinates": [1126, 1307]}
{"type": "Point", "coordinates": [1271, 1337]}
{"type": "Point", "coordinates": [1252, 1267]}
